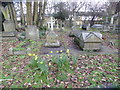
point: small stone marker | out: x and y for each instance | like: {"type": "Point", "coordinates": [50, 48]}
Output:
{"type": "Point", "coordinates": [10, 51]}
{"type": "Point", "coordinates": [88, 27]}
{"type": "Point", "coordinates": [57, 25]}
{"type": "Point", "coordinates": [32, 32]}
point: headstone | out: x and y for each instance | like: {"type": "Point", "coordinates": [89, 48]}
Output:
{"type": "Point", "coordinates": [114, 26]}
{"type": "Point", "coordinates": [28, 50]}
{"type": "Point", "coordinates": [51, 39]}
{"type": "Point", "coordinates": [9, 26]}
{"type": "Point", "coordinates": [88, 27]}
{"type": "Point", "coordinates": [48, 25]}
{"type": "Point", "coordinates": [10, 51]}
{"type": "Point", "coordinates": [32, 32]}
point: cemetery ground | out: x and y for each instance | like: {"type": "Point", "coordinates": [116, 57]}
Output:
{"type": "Point", "coordinates": [62, 67]}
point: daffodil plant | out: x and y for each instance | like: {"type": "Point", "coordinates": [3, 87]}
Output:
{"type": "Point", "coordinates": [38, 63]}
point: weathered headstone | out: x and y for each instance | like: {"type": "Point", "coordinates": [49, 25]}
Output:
{"type": "Point", "coordinates": [9, 26]}
{"type": "Point", "coordinates": [51, 39]}
{"type": "Point", "coordinates": [32, 32]}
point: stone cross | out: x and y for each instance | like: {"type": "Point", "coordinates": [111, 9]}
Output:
{"type": "Point", "coordinates": [51, 24]}
{"type": "Point", "coordinates": [112, 20]}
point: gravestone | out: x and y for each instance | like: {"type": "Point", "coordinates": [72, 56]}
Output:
{"type": "Point", "coordinates": [32, 32]}
{"type": "Point", "coordinates": [88, 27]}
{"type": "Point", "coordinates": [8, 26]}
{"type": "Point", "coordinates": [57, 25]}
{"type": "Point", "coordinates": [89, 40]}
{"type": "Point", "coordinates": [51, 39]}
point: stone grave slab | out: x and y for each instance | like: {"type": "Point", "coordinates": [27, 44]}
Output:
{"type": "Point", "coordinates": [9, 34]}
{"type": "Point", "coordinates": [55, 51]}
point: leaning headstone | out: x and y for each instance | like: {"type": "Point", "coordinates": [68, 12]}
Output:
{"type": "Point", "coordinates": [32, 32]}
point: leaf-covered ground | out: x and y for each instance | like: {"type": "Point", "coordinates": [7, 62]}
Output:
{"type": "Point", "coordinates": [89, 70]}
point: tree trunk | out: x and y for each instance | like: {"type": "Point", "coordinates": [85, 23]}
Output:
{"type": "Point", "coordinates": [10, 12]}
{"type": "Point", "coordinates": [40, 12]}
{"type": "Point", "coordinates": [29, 14]}
{"type": "Point", "coordinates": [43, 14]}
{"type": "Point", "coordinates": [22, 15]}
{"type": "Point", "coordinates": [35, 13]}
{"type": "Point", "coordinates": [14, 16]}
{"type": "Point", "coordinates": [92, 21]}
{"type": "Point", "coordinates": [70, 22]}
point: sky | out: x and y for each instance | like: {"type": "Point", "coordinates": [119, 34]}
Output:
{"type": "Point", "coordinates": [94, 1]}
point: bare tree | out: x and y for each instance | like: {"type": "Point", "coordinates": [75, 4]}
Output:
{"type": "Point", "coordinates": [74, 7]}
{"type": "Point", "coordinates": [22, 14]}
{"type": "Point", "coordinates": [96, 11]}
{"type": "Point", "coordinates": [29, 14]}
{"type": "Point", "coordinates": [14, 15]}
{"type": "Point", "coordinates": [43, 13]}
{"type": "Point", "coordinates": [35, 13]}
